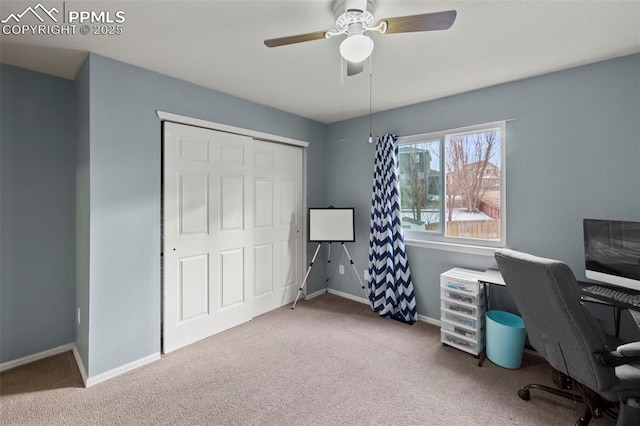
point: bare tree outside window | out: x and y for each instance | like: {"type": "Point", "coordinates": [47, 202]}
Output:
{"type": "Point", "coordinates": [471, 171]}
{"type": "Point", "coordinates": [467, 157]}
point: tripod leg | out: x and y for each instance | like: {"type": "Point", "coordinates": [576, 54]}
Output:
{"type": "Point", "coordinates": [355, 270]}
{"type": "Point", "coordinates": [328, 261]}
{"type": "Point", "coordinates": [306, 275]}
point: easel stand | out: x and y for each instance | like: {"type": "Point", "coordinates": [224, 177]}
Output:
{"type": "Point", "coordinates": [306, 276]}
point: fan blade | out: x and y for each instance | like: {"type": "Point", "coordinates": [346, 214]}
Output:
{"type": "Point", "coordinates": [274, 42]}
{"type": "Point", "coordinates": [425, 22]}
{"type": "Point", "coordinates": [354, 68]}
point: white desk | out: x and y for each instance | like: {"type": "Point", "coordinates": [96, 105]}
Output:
{"type": "Point", "coordinates": [491, 276]}
{"type": "Point", "coordinates": [488, 278]}
{"type": "Point", "coordinates": [617, 307]}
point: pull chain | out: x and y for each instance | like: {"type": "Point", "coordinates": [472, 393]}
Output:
{"type": "Point", "coordinates": [370, 98]}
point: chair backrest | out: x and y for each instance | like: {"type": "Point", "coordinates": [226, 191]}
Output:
{"type": "Point", "coordinates": [559, 327]}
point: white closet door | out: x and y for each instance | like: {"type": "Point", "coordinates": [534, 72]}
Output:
{"type": "Point", "coordinates": [228, 252]}
{"type": "Point", "coordinates": [277, 233]}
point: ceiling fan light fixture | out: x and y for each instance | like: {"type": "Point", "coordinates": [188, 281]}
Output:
{"type": "Point", "coordinates": [356, 48]}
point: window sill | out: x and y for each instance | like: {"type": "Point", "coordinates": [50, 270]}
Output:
{"type": "Point", "coordinates": [457, 248]}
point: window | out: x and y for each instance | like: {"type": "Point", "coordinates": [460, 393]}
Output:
{"type": "Point", "coordinates": [452, 185]}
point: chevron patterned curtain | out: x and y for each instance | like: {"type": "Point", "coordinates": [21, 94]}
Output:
{"type": "Point", "coordinates": [390, 286]}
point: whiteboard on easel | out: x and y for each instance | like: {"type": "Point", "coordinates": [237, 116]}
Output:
{"type": "Point", "coordinates": [331, 225]}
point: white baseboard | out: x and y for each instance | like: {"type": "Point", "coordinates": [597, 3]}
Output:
{"type": "Point", "coordinates": [423, 318]}
{"type": "Point", "coordinates": [94, 380]}
{"type": "Point", "coordinates": [348, 296]}
{"type": "Point", "coordinates": [429, 320]}
{"type": "Point", "coordinates": [315, 294]}
{"type": "Point", "coordinates": [88, 381]}
{"type": "Point", "coordinates": [83, 371]}
{"type": "Point", "coordinates": [36, 357]}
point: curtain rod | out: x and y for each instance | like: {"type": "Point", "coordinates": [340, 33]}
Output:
{"type": "Point", "coordinates": [507, 120]}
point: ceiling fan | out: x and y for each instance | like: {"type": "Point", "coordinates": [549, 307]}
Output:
{"type": "Point", "coordinates": [355, 18]}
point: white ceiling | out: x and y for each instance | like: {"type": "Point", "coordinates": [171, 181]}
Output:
{"type": "Point", "coordinates": [218, 44]}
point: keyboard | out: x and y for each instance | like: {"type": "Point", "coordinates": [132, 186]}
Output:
{"type": "Point", "coordinates": [630, 299]}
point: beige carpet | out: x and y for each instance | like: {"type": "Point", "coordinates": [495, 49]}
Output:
{"type": "Point", "coordinates": [331, 361]}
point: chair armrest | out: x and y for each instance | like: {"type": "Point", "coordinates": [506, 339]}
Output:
{"type": "Point", "coordinates": [629, 349]}
{"type": "Point", "coordinates": [624, 354]}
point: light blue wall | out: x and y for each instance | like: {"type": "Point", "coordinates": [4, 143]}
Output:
{"type": "Point", "coordinates": [82, 209]}
{"type": "Point", "coordinates": [573, 151]}
{"type": "Point", "coordinates": [125, 166]}
{"type": "Point", "coordinates": [37, 167]}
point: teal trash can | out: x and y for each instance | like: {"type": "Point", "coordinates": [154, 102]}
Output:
{"type": "Point", "coordinates": [505, 339]}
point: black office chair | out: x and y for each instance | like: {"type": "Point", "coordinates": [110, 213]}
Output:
{"type": "Point", "coordinates": [603, 374]}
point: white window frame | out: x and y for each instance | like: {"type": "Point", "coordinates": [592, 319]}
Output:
{"type": "Point", "coordinates": [439, 240]}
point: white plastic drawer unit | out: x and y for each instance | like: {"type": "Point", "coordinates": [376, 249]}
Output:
{"type": "Point", "coordinates": [461, 331]}
{"type": "Point", "coordinates": [462, 310]}
{"type": "Point", "coordinates": [460, 343]}
{"type": "Point", "coordinates": [468, 288]}
{"type": "Point", "coordinates": [460, 297]}
{"type": "Point", "coordinates": [452, 318]}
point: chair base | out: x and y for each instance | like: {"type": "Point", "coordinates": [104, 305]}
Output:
{"type": "Point", "coordinates": [595, 405]}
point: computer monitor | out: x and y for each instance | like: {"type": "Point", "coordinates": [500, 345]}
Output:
{"type": "Point", "coordinates": [612, 252]}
